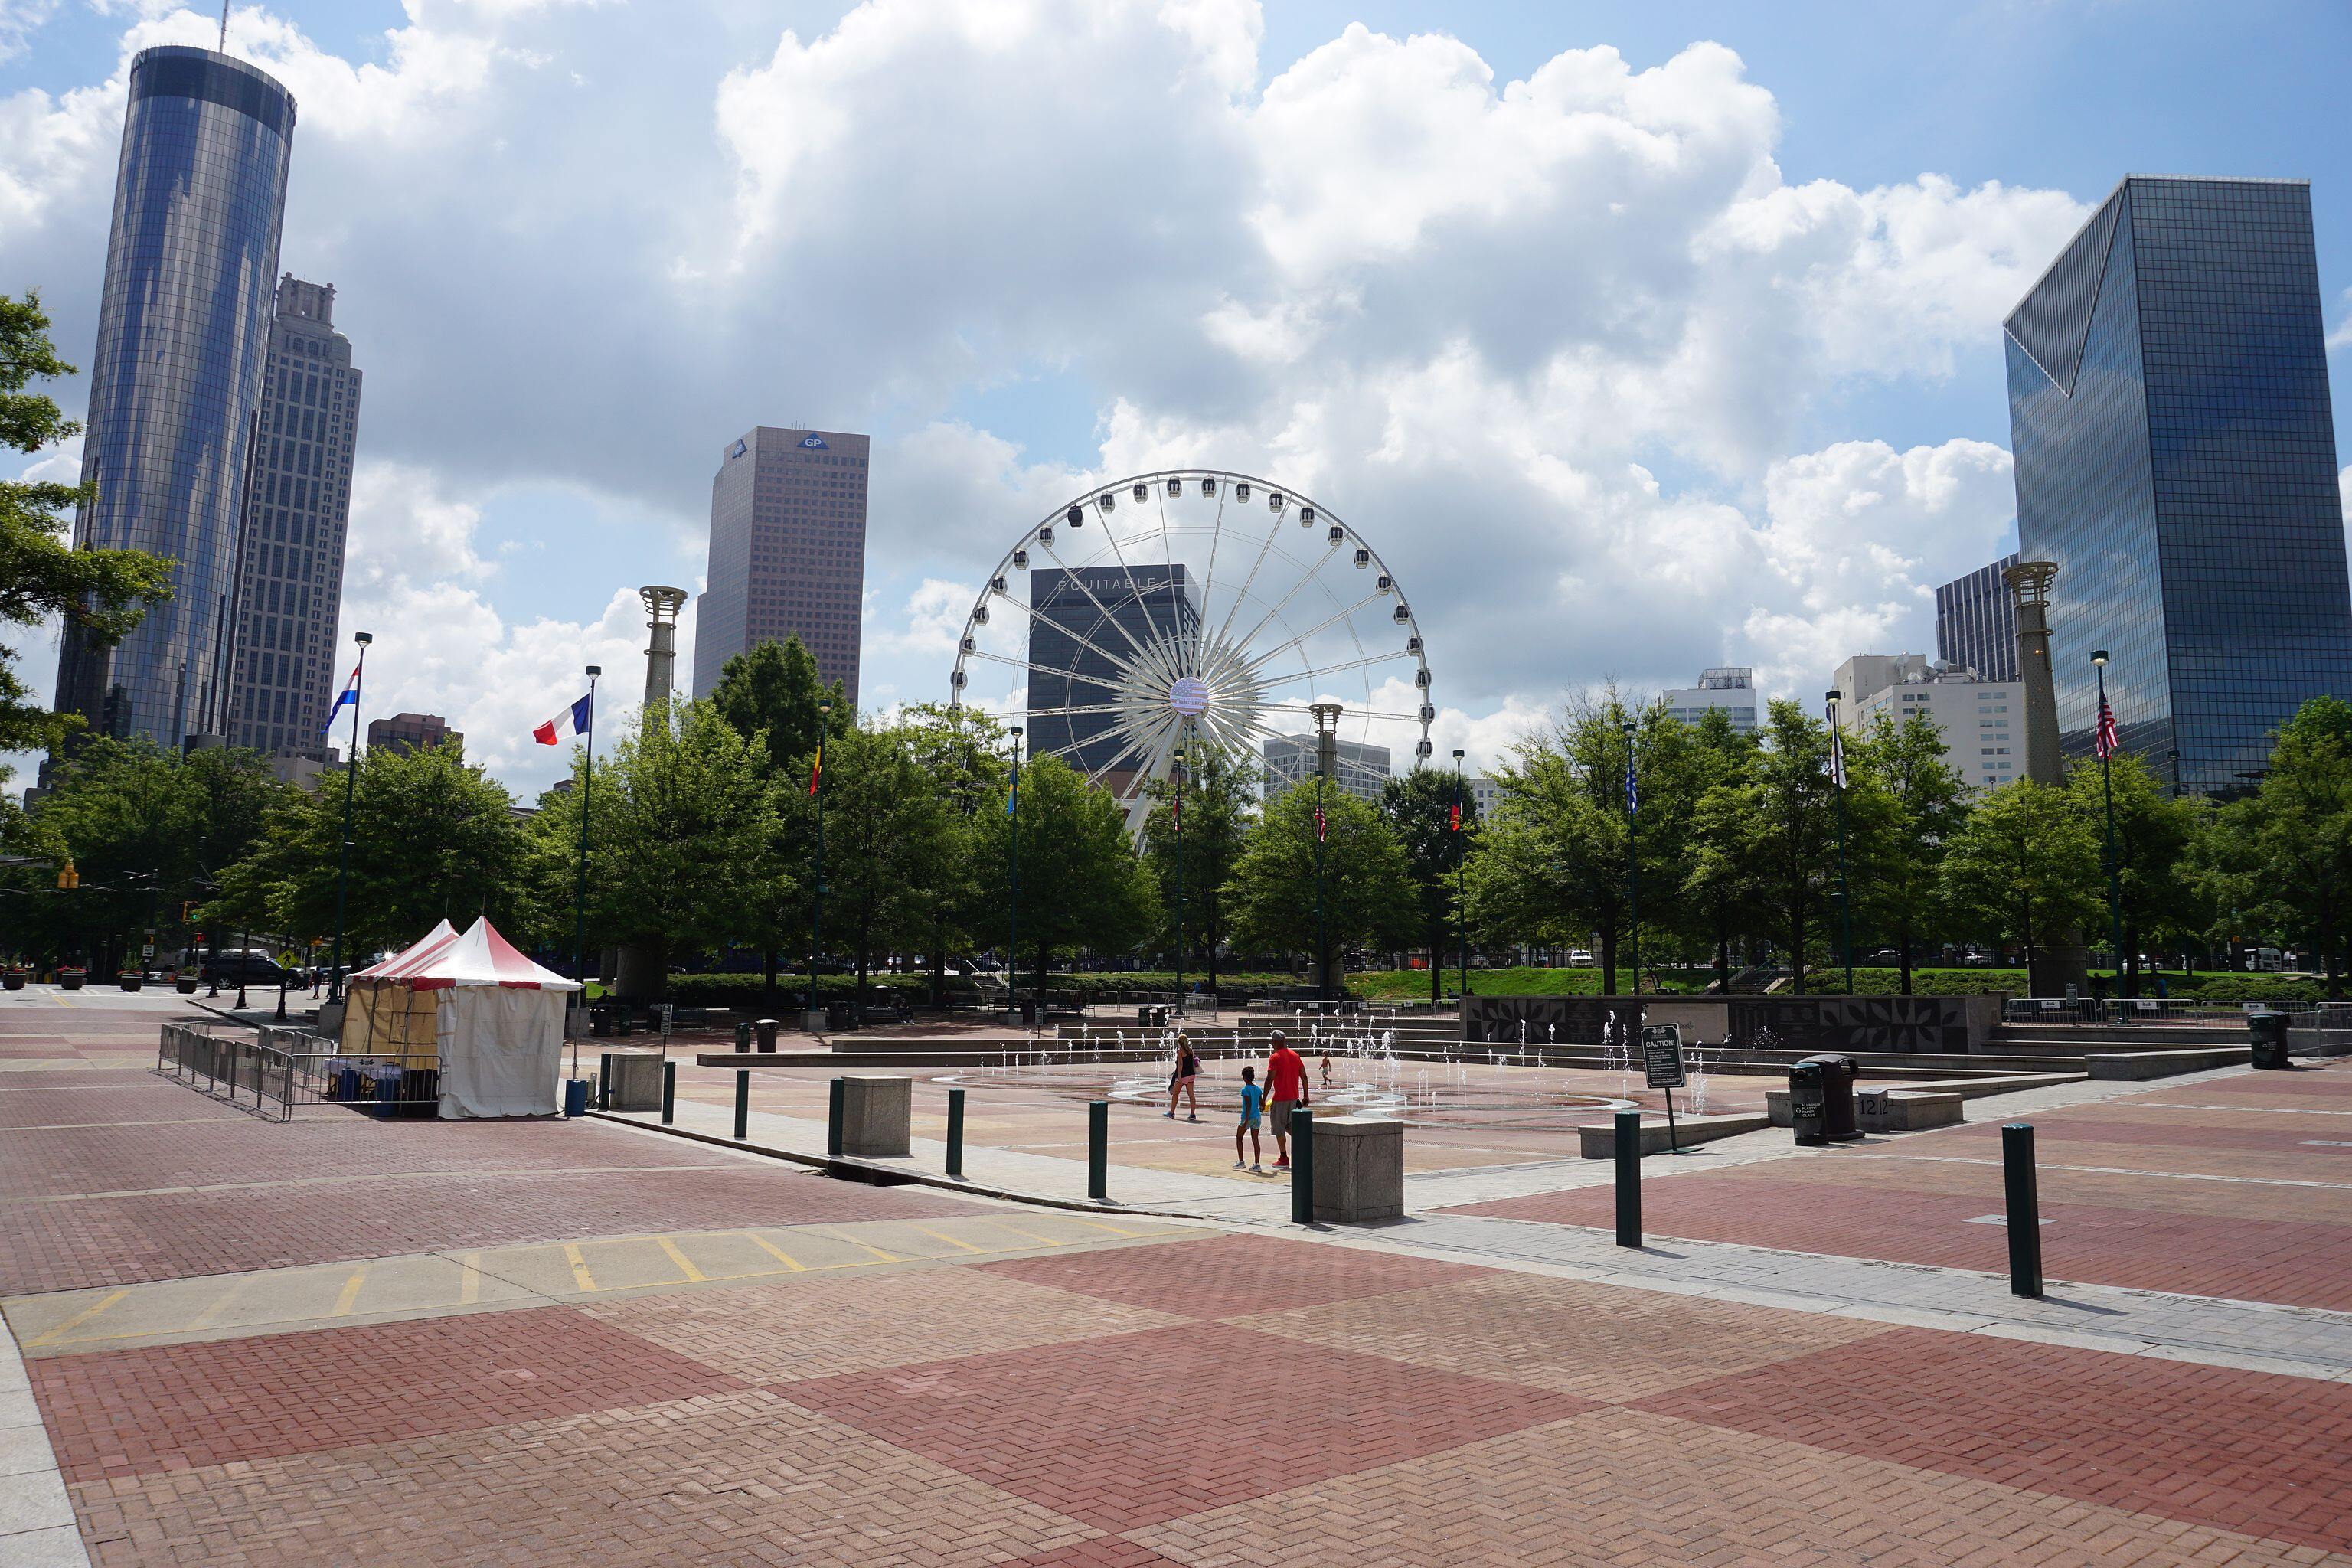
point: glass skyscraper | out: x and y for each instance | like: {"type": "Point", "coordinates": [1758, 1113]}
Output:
{"type": "Point", "coordinates": [1976, 622]}
{"type": "Point", "coordinates": [175, 381]}
{"type": "Point", "coordinates": [289, 572]}
{"type": "Point", "coordinates": [2176, 459]}
{"type": "Point", "coordinates": [787, 553]}
{"type": "Point", "coordinates": [1085, 623]}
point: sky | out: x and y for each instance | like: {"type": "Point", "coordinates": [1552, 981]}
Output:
{"type": "Point", "coordinates": [1638, 338]}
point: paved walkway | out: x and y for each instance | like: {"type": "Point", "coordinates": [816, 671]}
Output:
{"type": "Point", "coordinates": [344, 1340]}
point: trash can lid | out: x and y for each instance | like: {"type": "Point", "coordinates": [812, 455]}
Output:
{"type": "Point", "coordinates": [1826, 1059]}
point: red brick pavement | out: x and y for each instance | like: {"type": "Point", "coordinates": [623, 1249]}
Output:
{"type": "Point", "coordinates": [1233, 1275]}
{"type": "Point", "coordinates": [1144, 1427]}
{"type": "Point", "coordinates": [1102, 1552]}
{"type": "Point", "coordinates": [171, 1407]}
{"type": "Point", "coordinates": [100, 1104]}
{"type": "Point", "coordinates": [69, 1243]}
{"type": "Point", "coordinates": [2245, 1451]}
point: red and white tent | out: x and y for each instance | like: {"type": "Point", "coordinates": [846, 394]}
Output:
{"type": "Point", "coordinates": [466, 1006]}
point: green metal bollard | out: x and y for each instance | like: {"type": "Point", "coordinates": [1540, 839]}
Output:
{"type": "Point", "coordinates": [1629, 1178]}
{"type": "Point", "coordinates": [669, 1092]}
{"type": "Point", "coordinates": [955, 1132]}
{"type": "Point", "coordinates": [742, 1104]}
{"type": "Point", "coordinates": [604, 1082]}
{"type": "Point", "coordinates": [1302, 1165]}
{"type": "Point", "coordinates": [1099, 1150]}
{"type": "Point", "coordinates": [2024, 1209]}
{"type": "Point", "coordinates": [835, 1113]}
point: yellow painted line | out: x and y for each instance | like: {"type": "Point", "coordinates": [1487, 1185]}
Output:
{"type": "Point", "coordinates": [350, 1298]}
{"type": "Point", "coordinates": [469, 1288]}
{"type": "Point", "coordinates": [1097, 1225]}
{"type": "Point", "coordinates": [84, 1316]}
{"type": "Point", "coordinates": [772, 1250]}
{"type": "Point", "coordinates": [951, 1241]}
{"type": "Point", "coordinates": [1031, 1234]}
{"type": "Point", "coordinates": [204, 1319]}
{"type": "Point", "coordinates": [879, 1256]}
{"type": "Point", "coordinates": [685, 1264]}
{"type": "Point", "coordinates": [580, 1274]}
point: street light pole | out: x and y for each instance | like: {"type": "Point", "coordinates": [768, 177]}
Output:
{"type": "Point", "coordinates": [2105, 748]}
{"type": "Point", "coordinates": [351, 802]}
{"type": "Point", "coordinates": [1176, 814]}
{"type": "Point", "coordinates": [1461, 857]}
{"type": "Point", "coordinates": [579, 895]}
{"type": "Point", "coordinates": [817, 788]}
{"type": "Point", "coordinates": [1632, 860]}
{"type": "Point", "coordinates": [1013, 930]}
{"type": "Point", "coordinates": [1845, 894]}
{"type": "Point", "coordinates": [1327, 730]}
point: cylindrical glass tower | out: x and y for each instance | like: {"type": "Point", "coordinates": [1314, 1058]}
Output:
{"type": "Point", "coordinates": [182, 332]}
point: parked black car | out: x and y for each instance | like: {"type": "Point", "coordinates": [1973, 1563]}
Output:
{"type": "Point", "coordinates": [253, 967]}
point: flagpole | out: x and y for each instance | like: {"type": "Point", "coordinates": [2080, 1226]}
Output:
{"type": "Point", "coordinates": [1013, 930]}
{"type": "Point", "coordinates": [1461, 886]}
{"type": "Point", "coordinates": [351, 801]}
{"type": "Point", "coordinates": [2107, 784]}
{"type": "Point", "coordinates": [817, 788]}
{"type": "Point", "coordinates": [1845, 893]}
{"type": "Point", "coordinates": [1632, 862]}
{"type": "Point", "coordinates": [580, 901]}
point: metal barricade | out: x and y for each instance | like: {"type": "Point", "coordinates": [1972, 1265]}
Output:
{"type": "Point", "coordinates": [233, 1068]}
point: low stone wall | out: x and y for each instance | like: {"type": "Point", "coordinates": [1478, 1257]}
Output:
{"type": "Point", "coordinates": [1936, 1025]}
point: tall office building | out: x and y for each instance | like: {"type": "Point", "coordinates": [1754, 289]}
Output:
{"type": "Point", "coordinates": [2176, 459]}
{"type": "Point", "coordinates": [1982, 721]}
{"type": "Point", "coordinates": [1732, 689]}
{"type": "Point", "coordinates": [291, 569]}
{"type": "Point", "coordinates": [1085, 622]}
{"type": "Point", "coordinates": [1976, 624]}
{"type": "Point", "coordinates": [787, 552]}
{"type": "Point", "coordinates": [1358, 769]}
{"type": "Point", "coordinates": [175, 381]}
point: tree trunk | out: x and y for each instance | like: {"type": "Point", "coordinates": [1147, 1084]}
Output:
{"type": "Point", "coordinates": [864, 953]}
{"type": "Point", "coordinates": [768, 981]}
{"type": "Point", "coordinates": [1436, 964]}
{"type": "Point", "coordinates": [1723, 960]}
{"type": "Point", "coordinates": [1906, 957]}
{"type": "Point", "coordinates": [939, 959]}
{"type": "Point", "coordinates": [1797, 949]}
{"type": "Point", "coordinates": [1608, 961]}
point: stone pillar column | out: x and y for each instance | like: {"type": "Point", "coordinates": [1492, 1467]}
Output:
{"type": "Point", "coordinates": [2062, 959]}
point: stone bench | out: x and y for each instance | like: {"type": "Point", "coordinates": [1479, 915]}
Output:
{"type": "Point", "coordinates": [1598, 1140]}
{"type": "Point", "coordinates": [1358, 1169]}
{"type": "Point", "coordinates": [1904, 1110]}
{"type": "Point", "coordinates": [2137, 1066]}
{"type": "Point", "coordinates": [876, 1113]}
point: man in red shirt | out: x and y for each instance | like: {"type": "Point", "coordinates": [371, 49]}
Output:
{"type": "Point", "coordinates": [1285, 1085]}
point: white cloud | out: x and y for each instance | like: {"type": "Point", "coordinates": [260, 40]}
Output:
{"type": "Point", "coordinates": [1560, 347]}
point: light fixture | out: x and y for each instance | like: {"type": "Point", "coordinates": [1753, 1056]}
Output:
{"type": "Point", "coordinates": [362, 638]}
{"type": "Point", "coordinates": [595, 670]}
{"type": "Point", "coordinates": [2099, 656]}
{"type": "Point", "coordinates": [1457, 753]}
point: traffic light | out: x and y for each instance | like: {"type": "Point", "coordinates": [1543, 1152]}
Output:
{"type": "Point", "coordinates": [67, 878]}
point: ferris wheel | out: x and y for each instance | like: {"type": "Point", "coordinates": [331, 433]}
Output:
{"type": "Point", "coordinates": [1193, 608]}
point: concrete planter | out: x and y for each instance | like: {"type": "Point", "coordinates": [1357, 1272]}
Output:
{"type": "Point", "coordinates": [186, 985]}
{"type": "Point", "coordinates": [876, 1114]}
{"type": "Point", "coordinates": [130, 982]}
{"type": "Point", "coordinates": [1358, 1169]}
{"type": "Point", "coordinates": [14, 980]}
{"type": "Point", "coordinates": [71, 979]}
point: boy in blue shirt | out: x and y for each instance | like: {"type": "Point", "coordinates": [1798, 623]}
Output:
{"type": "Point", "coordinates": [1252, 1101]}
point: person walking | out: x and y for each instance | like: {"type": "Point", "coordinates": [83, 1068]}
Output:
{"type": "Point", "coordinates": [1181, 1081]}
{"type": "Point", "coordinates": [1252, 1100]}
{"type": "Point", "coordinates": [1285, 1089]}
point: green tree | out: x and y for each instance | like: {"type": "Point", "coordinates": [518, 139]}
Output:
{"type": "Point", "coordinates": [1790, 810]}
{"type": "Point", "coordinates": [2296, 833]}
{"type": "Point", "coordinates": [2025, 867]}
{"type": "Point", "coordinates": [1219, 801]}
{"type": "Point", "coordinates": [1366, 893]}
{"type": "Point", "coordinates": [2156, 833]}
{"type": "Point", "coordinates": [1926, 802]}
{"type": "Point", "coordinates": [1719, 887]}
{"type": "Point", "coordinates": [963, 751]}
{"type": "Point", "coordinates": [1082, 888]}
{"type": "Point", "coordinates": [681, 828]}
{"type": "Point", "coordinates": [433, 838]}
{"type": "Point", "coordinates": [102, 594]}
{"type": "Point", "coordinates": [1419, 809]}
{"type": "Point", "coordinates": [888, 829]}
{"type": "Point", "coordinates": [774, 690]}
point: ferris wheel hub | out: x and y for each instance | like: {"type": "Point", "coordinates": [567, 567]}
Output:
{"type": "Point", "coordinates": [1189, 696]}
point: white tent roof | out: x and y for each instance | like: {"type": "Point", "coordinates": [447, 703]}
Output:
{"type": "Point", "coordinates": [477, 956]}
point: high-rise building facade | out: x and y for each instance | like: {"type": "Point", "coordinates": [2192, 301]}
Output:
{"type": "Point", "coordinates": [1085, 623]}
{"type": "Point", "coordinates": [1976, 622]}
{"type": "Point", "coordinates": [289, 573]}
{"type": "Point", "coordinates": [183, 328]}
{"type": "Point", "coordinates": [787, 552]}
{"type": "Point", "coordinates": [2176, 460]}
{"type": "Point", "coordinates": [411, 733]}
{"type": "Point", "coordinates": [1358, 769]}
{"type": "Point", "coordinates": [1732, 691]}
{"type": "Point", "coordinates": [1982, 721]}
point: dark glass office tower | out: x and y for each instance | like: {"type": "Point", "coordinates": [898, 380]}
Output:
{"type": "Point", "coordinates": [1085, 623]}
{"type": "Point", "coordinates": [1976, 622]}
{"type": "Point", "coordinates": [175, 381]}
{"type": "Point", "coordinates": [787, 553]}
{"type": "Point", "coordinates": [2176, 459]}
{"type": "Point", "coordinates": [291, 570]}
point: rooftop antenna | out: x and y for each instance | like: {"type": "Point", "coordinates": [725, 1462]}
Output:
{"type": "Point", "coordinates": [223, 34]}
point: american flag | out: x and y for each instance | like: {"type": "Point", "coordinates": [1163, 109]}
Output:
{"type": "Point", "coordinates": [2107, 745]}
{"type": "Point", "coordinates": [1319, 823]}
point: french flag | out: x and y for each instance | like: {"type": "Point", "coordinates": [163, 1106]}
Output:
{"type": "Point", "coordinates": [350, 699]}
{"type": "Point", "coordinates": [578, 716]}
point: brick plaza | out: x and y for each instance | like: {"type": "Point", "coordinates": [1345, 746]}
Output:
{"type": "Point", "coordinates": [339, 1339]}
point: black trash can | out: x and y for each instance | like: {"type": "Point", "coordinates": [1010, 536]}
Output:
{"type": "Point", "coordinates": [743, 1034]}
{"type": "Point", "coordinates": [2269, 1031]}
{"type": "Point", "coordinates": [1807, 1113]}
{"type": "Point", "coordinates": [1838, 1122]}
{"type": "Point", "coordinates": [837, 1017]}
{"type": "Point", "coordinates": [766, 1029]}
{"type": "Point", "coordinates": [1028, 1015]}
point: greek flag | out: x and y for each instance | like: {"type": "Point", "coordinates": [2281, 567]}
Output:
{"type": "Point", "coordinates": [1633, 796]}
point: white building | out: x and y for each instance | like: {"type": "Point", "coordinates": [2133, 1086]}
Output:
{"type": "Point", "coordinates": [1733, 691]}
{"type": "Point", "coordinates": [1485, 794]}
{"type": "Point", "coordinates": [1982, 721]}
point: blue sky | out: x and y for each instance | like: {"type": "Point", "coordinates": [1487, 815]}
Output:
{"type": "Point", "coordinates": [1632, 365]}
